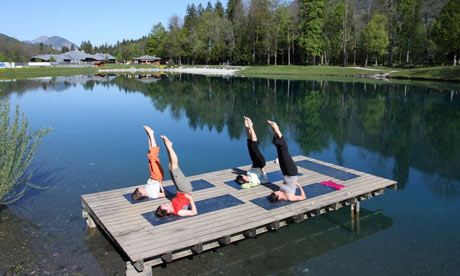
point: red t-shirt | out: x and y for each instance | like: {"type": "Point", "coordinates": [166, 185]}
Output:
{"type": "Point", "coordinates": [179, 202]}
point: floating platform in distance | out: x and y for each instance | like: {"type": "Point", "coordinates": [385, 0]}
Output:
{"type": "Point", "coordinates": [227, 213]}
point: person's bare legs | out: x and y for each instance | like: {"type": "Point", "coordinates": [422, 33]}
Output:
{"type": "Point", "coordinates": [149, 131]}
{"type": "Point", "coordinates": [275, 128]}
{"type": "Point", "coordinates": [173, 161]}
{"type": "Point", "coordinates": [251, 134]}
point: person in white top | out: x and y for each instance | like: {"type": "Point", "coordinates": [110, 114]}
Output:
{"type": "Point", "coordinates": [153, 189]}
{"type": "Point", "coordinates": [256, 174]}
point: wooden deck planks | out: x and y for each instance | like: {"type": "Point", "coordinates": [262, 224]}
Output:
{"type": "Point", "coordinates": [124, 224]}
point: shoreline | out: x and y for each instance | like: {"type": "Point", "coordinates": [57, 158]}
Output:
{"type": "Point", "coordinates": [186, 70]}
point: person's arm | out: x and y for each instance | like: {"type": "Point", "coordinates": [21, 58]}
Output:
{"type": "Point", "coordinates": [192, 212]}
{"type": "Point", "coordinates": [162, 192]}
{"type": "Point", "coordinates": [293, 197]}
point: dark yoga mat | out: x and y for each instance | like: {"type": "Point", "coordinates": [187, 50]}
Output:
{"type": "Point", "coordinates": [326, 170]}
{"type": "Point", "coordinates": [197, 185]}
{"type": "Point", "coordinates": [271, 176]}
{"type": "Point", "coordinates": [203, 206]}
{"type": "Point", "coordinates": [311, 190]}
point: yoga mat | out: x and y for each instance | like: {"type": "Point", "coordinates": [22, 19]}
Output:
{"type": "Point", "coordinates": [271, 176]}
{"type": "Point", "coordinates": [326, 170]}
{"type": "Point", "coordinates": [197, 185]}
{"type": "Point", "coordinates": [203, 206]}
{"type": "Point", "coordinates": [311, 190]}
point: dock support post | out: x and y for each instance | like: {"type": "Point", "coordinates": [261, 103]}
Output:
{"type": "Point", "coordinates": [167, 257]}
{"type": "Point", "coordinates": [225, 240]}
{"type": "Point", "coordinates": [138, 269]}
{"type": "Point", "coordinates": [89, 221]}
{"type": "Point", "coordinates": [198, 248]}
{"type": "Point", "coordinates": [274, 226]}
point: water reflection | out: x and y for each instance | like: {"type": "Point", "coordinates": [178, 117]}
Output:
{"type": "Point", "coordinates": [415, 126]}
{"type": "Point", "coordinates": [285, 251]}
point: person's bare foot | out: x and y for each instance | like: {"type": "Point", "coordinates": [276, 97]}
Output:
{"type": "Point", "coordinates": [247, 122]}
{"type": "Point", "coordinates": [148, 130]}
{"type": "Point", "coordinates": [166, 141]}
{"type": "Point", "coordinates": [275, 128]}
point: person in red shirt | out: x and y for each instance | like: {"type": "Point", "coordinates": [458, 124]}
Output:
{"type": "Point", "coordinates": [179, 204]}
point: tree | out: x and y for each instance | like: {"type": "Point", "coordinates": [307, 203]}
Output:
{"type": "Point", "coordinates": [2, 57]}
{"type": "Point", "coordinates": [52, 59]}
{"type": "Point", "coordinates": [409, 19]}
{"type": "Point", "coordinates": [333, 31]}
{"type": "Point", "coordinates": [446, 29]}
{"type": "Point", "coordinates": [72, 48]}
{"type": "Point", "coordinates": [18, 146]}
{"type": "Point", "coordinates": [375, 38]}
{"type": "Point", "coordinates": [312, 16]}
{"type": "Point", "coordinates": [155, 39]}
{"type": "Point", "coordinates": [64, 49]}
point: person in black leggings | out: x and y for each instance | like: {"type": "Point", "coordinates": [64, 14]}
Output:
{"type": "Point", "coordinates": [256, 174]}
{"type": "Point", "coordinates": [288, 167]}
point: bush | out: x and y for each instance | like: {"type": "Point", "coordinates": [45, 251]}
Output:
{"type": "Point", "coordinates": [18, 146]}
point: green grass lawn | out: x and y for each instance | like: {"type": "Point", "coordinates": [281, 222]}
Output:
{"type": "Point", "coordinates": [25, 73]}
{"type": "Point", "coordinates": [450, 73]}
{"type": "Point", "coordinates": [428, 73]}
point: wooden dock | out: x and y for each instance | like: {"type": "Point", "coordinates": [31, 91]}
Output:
{"type": "Point", "coordinates": [146, 244]}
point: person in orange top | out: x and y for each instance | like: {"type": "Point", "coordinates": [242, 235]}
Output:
{"type": "Point", "coordinates": [179, 204]}
{"type": "Point", "coordinates": [153, 189]}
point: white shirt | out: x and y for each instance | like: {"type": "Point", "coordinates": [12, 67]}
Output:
{"type": "Point", "coordinates": [152, 188]}
{"type": "Point", "coordinates": [256, 176]}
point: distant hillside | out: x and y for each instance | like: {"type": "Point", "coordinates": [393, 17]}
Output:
{"type": "Point", "coordinates": [55, 41]}
{"type": "Point", "coordinates": [16, 50]}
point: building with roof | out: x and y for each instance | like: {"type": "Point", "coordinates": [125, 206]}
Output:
{"type": "Point", "coordinates": [74, 57]}
{"type": "Point", "coordinates": [146, 59]}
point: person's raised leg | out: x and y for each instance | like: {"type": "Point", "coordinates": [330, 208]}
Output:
{"type": "Point", "coordinates": [258, 160]}
{"type": "Point", "coordinates": [287, 165]}
{"type": "Point", "coordinates": [173, 160]}
{"type": "Point", "coordinates": [182, 184]}
{"type": "Point", "coordinates": [156, 171]}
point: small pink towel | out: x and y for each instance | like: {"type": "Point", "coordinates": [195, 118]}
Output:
{"type": "Point", "coordinates": [332, 184]}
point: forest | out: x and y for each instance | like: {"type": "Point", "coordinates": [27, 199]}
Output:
{"type": "Point", "coordinates": [303, 32]}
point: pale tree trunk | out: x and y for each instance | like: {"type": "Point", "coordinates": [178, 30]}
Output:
{"type": "Point", "coordinates": [293, 53]}
{"type": "Point", "coordinates": [276, 49]}
{"type": "Point", "coordinates": [254, 50]}
{"type": "Point", "coordinates": [289, 54]}
{"type": "Point", "coordinates": [407, 56]}
{"type": "Point", "coordinates": [344, 44]}
{"type": "Point", "coordinates": [455, 59]}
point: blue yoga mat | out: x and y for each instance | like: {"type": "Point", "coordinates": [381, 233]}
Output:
{"type": "Point", "coordinates": [197, 185]}
{"type": "Point", "coordinates": [326, 170]}
{"type": "Point", "coordinates": [203, 206]}
{"type": "Point", "coordinates": [271, 176]}
{"type": "Point", "coordinates": [311, 190]}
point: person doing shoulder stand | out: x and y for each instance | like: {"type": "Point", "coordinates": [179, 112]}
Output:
{"type": "Point", "coordinates": [179, 204]}
{"type": "Point", "coordinates": [154, 188]}
{"type": "Point", "coordinates": [288, 167]}
{"type": "Point", "coordinates": [256, 174]}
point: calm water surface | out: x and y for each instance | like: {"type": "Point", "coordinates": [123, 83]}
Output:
{"type": "Point", "coordinates": [407, 133]}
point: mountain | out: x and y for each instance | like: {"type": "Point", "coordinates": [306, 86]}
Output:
{"type": "Point", "coordinates": [18, 51]}
{"type": "Point", "coordinates": [55, 41]}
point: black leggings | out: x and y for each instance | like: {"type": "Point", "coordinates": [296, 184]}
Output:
{"type": "Point", "coordinates": [287, 165]}
{"type": "Point", "coordinates": [258, 160]}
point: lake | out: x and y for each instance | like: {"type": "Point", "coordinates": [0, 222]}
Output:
{"type": "Point", "coordinates": [406, 132]}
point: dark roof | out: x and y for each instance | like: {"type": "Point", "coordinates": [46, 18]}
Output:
{"type": "Point", "coordinates": [147, 57]}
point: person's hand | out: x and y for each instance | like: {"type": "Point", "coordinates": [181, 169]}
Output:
{"type": "Point", "coordinates": [189, 196]}
{"type": "Point", "coordinates": [298, 185]}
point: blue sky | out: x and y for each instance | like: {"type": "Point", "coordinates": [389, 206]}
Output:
{"type": "Point", "coordinates": [97, 21]}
